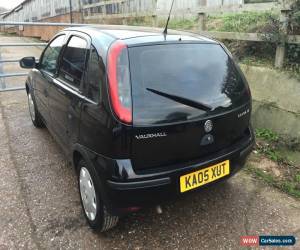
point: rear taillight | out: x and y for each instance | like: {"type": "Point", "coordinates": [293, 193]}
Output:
{"type": "Point", "coordinates": [119, 81]}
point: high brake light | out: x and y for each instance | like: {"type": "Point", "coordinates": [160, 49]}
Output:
{"type": "Point", "coordinates": [119, 81]}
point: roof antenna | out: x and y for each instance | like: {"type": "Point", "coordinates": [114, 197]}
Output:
{"type": "Point", "coordinates": [167, 24]}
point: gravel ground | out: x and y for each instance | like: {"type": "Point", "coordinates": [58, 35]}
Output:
{"type": "Point", "coordinates": [40, 207]}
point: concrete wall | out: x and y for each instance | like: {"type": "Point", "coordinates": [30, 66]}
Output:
{"type": "Point", "coordinates": [276, 100]}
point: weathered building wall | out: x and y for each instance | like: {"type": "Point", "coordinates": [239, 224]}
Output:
{"type": "Point", "coordinates": [34, 10]}
{"type": "Point", "coordinates": [164, 5]}
{"type": "Point", "coordinates": [213, 3]}
{"type": "Point", "coordinates": [94, 12]}
{"type": "Point", "coordinates": [1, 27]}
{"type": "Point", "coordinates": [43, 11]}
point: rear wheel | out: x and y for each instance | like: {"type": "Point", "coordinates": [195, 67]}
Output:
{"type": "Point", "coordinates": [33, 111]}
{"type": "Point", "coordinates": [91, 200]}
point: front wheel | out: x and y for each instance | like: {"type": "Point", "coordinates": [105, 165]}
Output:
{"type": "Point", "coordinates": [94, 209]}
{"type": "Point", "coordinates": [33, 111]}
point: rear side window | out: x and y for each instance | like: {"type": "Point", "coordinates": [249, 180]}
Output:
{"type": "Point", "coordinates": [51, 54]}
{"type": "Point", "coordinates": [181, 82]}
{"type": "Point", "coordinates": [95, 76]}
{"type": "Point", "coordinates": [73, 61]}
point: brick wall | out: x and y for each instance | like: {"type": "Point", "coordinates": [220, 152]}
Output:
{"type": "Point", "coordinates": [45, 33]}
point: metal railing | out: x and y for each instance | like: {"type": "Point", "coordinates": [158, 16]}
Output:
{"type": "Point", "coordinates": [3, 75]}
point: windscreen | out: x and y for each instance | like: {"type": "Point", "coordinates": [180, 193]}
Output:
{"type": "Point", "coordinates": [182, 82]}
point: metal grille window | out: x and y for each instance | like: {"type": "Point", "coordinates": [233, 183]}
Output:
{"type": "Point", "coordinates": [61, 10]}
{"type": "Point", "coordinates": [86, 12]}
{"type": "Point", "coordinates": [90, 1]}
{"type": "Point", "coordinates": [113, 8]}
{"type": "Point", "coordinates": [96, 10]}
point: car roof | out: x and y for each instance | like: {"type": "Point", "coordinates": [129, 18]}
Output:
{"type": "Point", "coordinates": [135, 33]}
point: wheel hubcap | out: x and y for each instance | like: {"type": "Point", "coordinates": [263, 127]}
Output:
{"type": "Point", "coordinates": [87, 193]}
{"type": "Point", "coordinates": [31, 107]}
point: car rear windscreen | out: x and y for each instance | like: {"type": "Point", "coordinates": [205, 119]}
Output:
{"type": "Point", "coordinates": [182, 82]}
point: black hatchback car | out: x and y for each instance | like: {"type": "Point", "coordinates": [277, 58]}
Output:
{"type": "Point", "coordinates": [143, 116]}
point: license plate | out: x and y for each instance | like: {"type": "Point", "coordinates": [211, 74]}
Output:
{"type": "Point", "coordinates": [204, 176]}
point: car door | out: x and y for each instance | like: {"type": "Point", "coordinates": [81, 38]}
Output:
{"type": "Point", "coordinates": [94, 132]}
{"type": "Point", "coordinates": [65, 93]}
{"type": "Point", "coordinates": [44, 74]}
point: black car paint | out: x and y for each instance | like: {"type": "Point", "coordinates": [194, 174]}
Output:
{"type": "Point", "coordinates": [92, 131]}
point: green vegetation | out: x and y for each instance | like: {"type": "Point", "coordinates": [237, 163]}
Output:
{"type": "Point", "coordinates": [297, 178]}
{"type": "Point", "coordinates": [262, 53]}
{"type": "Point", "coordinates": [139, 21]}
{"type": "Point", "coordinates": [185, 24]}
{"type": "Point", "coordinates": [272, 154]}
{"type": "Point", "coordinates": [269, 149]}
{"type": "Point", "coordinates": [268, 178]}
{"type": "Point", "coordinates": [295, 17]}
{"type": "Point", "coordinates": [266, 134]}
{"type": "Point", "coordinates": [254, 61]}
{"type": "Point", "coordinates": [180, 24]}
{"type": "Point", "coordinates": [241, 22]}
{"type": "Point", "coordinates": [284, 173]}
{"type": "Point", "coordinates": [290, 187]}
{"type": "Point", "coordinates": [275, 149]}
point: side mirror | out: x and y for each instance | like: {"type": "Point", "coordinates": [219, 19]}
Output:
{"type": "Point", "coordinates": [27, 62]}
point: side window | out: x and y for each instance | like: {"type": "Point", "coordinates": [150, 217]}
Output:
{"type": "Point", "coordinates": [51, 54]}
{"type": "Point", "coordinates": [95, 76]}
{"type": "Point", "coordinates": [73, 61]}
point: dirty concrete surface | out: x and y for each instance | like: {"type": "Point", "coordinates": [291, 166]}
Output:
{"type": "Point", "coordinates": [40, 207]}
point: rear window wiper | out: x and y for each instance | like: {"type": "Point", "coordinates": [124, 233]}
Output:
{"type": "Point", "coordinates": [182, 100]}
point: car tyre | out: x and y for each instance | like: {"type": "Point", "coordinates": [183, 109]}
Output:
{"type": "Point", "coordinates": [33, 111]}
{"type": "Point", "coordinates": [91, 199]}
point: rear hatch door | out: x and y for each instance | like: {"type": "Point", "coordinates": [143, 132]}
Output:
{"type": "Point", "coordinates": [189, 100]}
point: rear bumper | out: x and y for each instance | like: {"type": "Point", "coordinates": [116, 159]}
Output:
{"type": "Point", "coordinates": [129, 189]}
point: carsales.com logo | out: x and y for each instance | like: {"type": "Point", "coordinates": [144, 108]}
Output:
{"type": "Point", "coordinates": [249, 241]}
